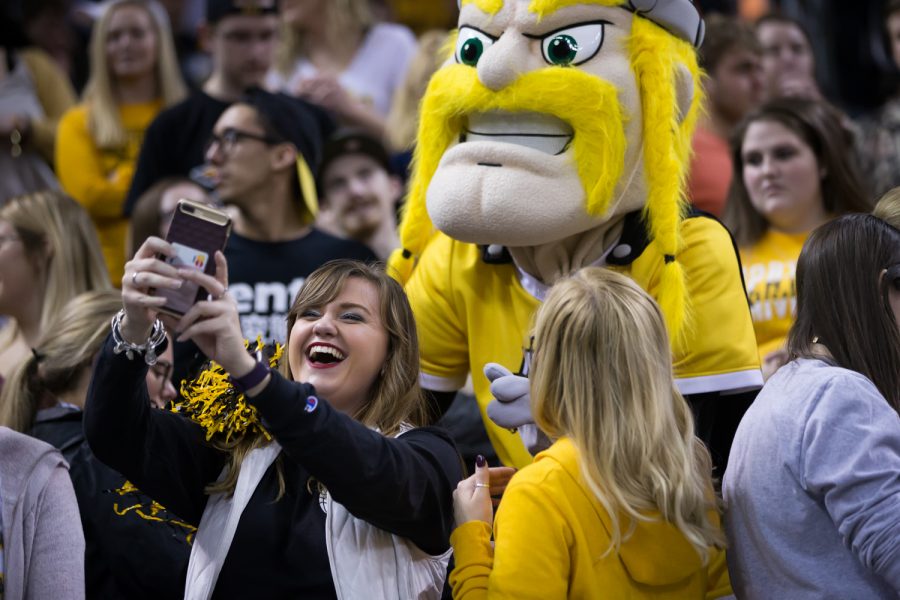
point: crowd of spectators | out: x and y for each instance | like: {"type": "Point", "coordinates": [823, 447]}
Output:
{"type": "Point", "coordinates": [298, 119]}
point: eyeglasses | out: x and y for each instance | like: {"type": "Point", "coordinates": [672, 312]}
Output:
{"type": "Point", "coordinates": [230, 137]}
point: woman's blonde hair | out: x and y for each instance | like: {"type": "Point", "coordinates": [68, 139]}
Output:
{"type": "Point", "coordinates": [403, 119]}
{"type": "Point", "coordinates": [396, 399]}
{"type": "Point", "coordinates": [888, 208]}
{"type": "Point", "coordinates": [65, 349]}
{"type": "Point", "coordinates": [342, 16]}
{"type": "Point", "coordinates": [61, 242]}
{"type": "Point", "coordinates": [104, 122]}
{"type": "Point", "coordinates": [602, 375]}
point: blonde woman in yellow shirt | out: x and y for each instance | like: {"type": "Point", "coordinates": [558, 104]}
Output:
{"type": "Point", "coordinates": [622, 504]}
{"type": "Point", "coordinates": [794, 170]}
{"type": "Point", "coordinates": [134, 74]}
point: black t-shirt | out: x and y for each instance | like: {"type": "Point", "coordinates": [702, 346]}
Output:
{"type": "Point", "coordinates": [264, 277]}
{"type": "Point", "coordinates": [174, 142]}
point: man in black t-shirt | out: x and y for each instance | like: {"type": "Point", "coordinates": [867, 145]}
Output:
{"type": "Point", "coordinates": [241, 37]}
{"type": "Point", "coordinates": [262, 152]}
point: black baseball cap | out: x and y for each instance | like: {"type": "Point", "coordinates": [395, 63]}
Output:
{"type": "Point", "coordinates": [351, 141]}
{"type": "Point", "coordinates": [216, 10]}
{"type": "Point", "coordinates": [301, 123]}
{"type": "Point", "coordinates": [292, 120]}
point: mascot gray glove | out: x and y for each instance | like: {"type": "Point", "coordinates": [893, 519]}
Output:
{"type": "Point", "coordinates": [511, 407]}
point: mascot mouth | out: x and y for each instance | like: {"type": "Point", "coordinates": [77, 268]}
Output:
{"type": "Point", "coordinates": [538, 131]}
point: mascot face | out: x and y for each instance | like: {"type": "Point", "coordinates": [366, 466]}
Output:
{"type": "Point", "coordinates": [551, 119]}
{"type": "Point", "coordinates": [535, 123]}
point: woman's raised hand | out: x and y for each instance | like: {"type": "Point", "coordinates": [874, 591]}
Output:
{"type": "Point", "coordinates": [214, 324]}
{"type": "Point", "coordinates": [476, 496]}
{"type": "Point", "coordinates": [142, 273]}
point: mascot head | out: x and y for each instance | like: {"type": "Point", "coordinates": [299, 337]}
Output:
{"type": "Point", "coordinates": [553, 119]}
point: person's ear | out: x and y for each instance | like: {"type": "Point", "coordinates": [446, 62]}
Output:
{"type": "Point", "coordinates": [684, 90]}
{"type": "Point", "coordinates": [284, 156]}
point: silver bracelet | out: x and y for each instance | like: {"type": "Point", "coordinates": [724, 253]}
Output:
{"type": "Point", "coordinates": [148, 348]}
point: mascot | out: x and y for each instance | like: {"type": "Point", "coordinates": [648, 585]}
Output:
{"type": "Point", "coordinates": [557, 136]}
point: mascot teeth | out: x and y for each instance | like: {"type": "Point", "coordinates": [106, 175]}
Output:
{"type": "Point", "coordinates": [538, 131]}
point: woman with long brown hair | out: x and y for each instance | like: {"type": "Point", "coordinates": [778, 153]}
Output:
{"type": "Point", "coordinates": [335, 490]}
{"type": "Point", "coordinates": [794, 170]}
{"type": "Point", "coordinates": [812, 490]}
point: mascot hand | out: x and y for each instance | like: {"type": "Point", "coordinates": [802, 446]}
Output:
{"type": "Point", "coordinates": [534, 439]}
{"type": "Point", "coordinates": [512, 407]}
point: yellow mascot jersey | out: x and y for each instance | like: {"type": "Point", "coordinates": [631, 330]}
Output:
{"type": "Point", "coordinates": [769, 267]}
{"type": "Point", "coordinates": [470, 313]}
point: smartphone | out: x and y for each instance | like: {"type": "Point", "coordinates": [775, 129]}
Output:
{"type": "Point", "coordinates": [196, 232]}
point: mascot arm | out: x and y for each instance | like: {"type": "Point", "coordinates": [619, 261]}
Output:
{"type": "Point", "coordinates": [717, 367]}
{"type": "Point", "coordinates": [443, 336]}
{"type": "Point", "coordinates": [717, 353]}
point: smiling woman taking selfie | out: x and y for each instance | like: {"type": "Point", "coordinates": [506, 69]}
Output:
{"type": "Point", "coordinates": [794, 171]}
{"type": "Point", "coordinates": [341, 494]}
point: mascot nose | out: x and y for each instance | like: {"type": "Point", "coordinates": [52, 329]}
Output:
{"type": "Point", "coordinates": [502, 62]}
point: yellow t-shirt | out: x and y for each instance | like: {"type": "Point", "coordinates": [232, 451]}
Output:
{"type": "Point", "coordinates": [469, 313]}
{"type": "Point", "coordinates": [769, 267]}
{"type": "Point", "coordinates": [99, 178]}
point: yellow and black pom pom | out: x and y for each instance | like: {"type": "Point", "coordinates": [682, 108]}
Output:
{"type": "Point", "coordinates": [211, 401]}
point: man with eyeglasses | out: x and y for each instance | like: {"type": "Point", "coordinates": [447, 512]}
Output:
{"type": "Point", "coordinates": [241, 36]}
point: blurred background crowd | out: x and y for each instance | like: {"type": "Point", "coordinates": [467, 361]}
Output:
{"type": "Point", "coordinates": [110, 112]}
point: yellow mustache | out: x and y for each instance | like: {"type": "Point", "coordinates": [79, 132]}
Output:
{"type": "Point", "coordinates": [587, 103]}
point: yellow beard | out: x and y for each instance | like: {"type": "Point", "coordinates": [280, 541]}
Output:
{"type": "Point", "coordinates": [582, 100]}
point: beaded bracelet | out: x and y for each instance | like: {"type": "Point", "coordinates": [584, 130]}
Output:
{"type": "Point", "coordinates": [148, 348]}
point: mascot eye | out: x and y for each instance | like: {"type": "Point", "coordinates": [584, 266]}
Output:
{"type": "Point", "coordinates": [573, 45]}
{"type": "Point", "coordinates": [471, 44]}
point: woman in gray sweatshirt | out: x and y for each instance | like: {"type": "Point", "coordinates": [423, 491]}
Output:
{"type": "Point", "coordinates": [812, 489]}
{"type": "Point", "coordinates": [42, 547]}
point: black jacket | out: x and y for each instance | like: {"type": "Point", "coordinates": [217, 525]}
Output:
{"type": "Point", "coordinates": [403, 485]}
{"type": "Point", "coordinates": [126, 555]}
